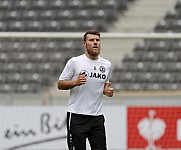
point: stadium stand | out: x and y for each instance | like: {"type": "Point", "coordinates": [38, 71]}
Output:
{"type": "Point", "coordinates": [24, 15]}
{"type": "Point", "coordinates": [31, 65]}
{"type": "Point", "coordinates": [154, 64]}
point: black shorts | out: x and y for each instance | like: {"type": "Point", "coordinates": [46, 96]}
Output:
{"type": "Point", "coordinates": [80, 127]}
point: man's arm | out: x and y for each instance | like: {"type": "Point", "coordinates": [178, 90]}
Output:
{"type": "Point", "coordinates": [67, 84]}
{"type": "Point", "coordinates": [108, 90]}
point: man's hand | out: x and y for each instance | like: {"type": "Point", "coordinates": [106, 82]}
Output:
{"type": "Point", "coordinates": [69, 84]}
{"type": "Point", "coordinates": [81, 79]}
{"type": "Point", "coordinates": [108, 90]}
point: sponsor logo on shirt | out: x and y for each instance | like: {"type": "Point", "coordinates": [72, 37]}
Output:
{"type": "Point", "coordinates": [96, 75]}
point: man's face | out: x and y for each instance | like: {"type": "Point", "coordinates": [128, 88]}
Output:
{"type": "Point", "coordinates": [92, 45]}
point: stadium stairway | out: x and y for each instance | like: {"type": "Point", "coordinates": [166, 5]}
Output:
{"type": "Point", "coordinates": [141, 16]}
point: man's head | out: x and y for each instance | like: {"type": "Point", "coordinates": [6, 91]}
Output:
{"type": "Point", "coordinates": [91, 41]}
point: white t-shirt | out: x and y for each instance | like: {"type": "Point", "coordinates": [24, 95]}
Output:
{"type": "Point", "coordinates": [87, 98]}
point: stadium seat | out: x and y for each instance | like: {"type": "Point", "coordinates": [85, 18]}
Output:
{"type": "Point", "coordinates": [30, 15]}
{"type": "Point", "coordinates": [6, 4]}
{"type": "Point", "coordinates": [15, 26]}
{"type": "Point", "coordinates": [75, 4]}
{"type": "Point", "coordinates": [32, 26]}
{"type": "Point", "coordinates": [171, 15]}
{"type": "Point", "coordinates": [13, 15]}
{"type": "Point", "coordinates": [57, 4]}
{"type": "Point", "coordinates": [3, 26]}
{"type": "Point", "coordinates": [113, 4]}
{"type": "Point", "coordinates": [21, 4]}
{"type": "Point", "coordinates": [64, 14]}
{"type": "Point", "coordinates": [91, 4]}
{"type": "Point", "coordinates": [162, 26]}
{"type": "Point", "coordinates": [38, 4]}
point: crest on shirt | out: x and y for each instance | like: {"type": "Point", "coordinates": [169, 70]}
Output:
{"type": "Point", "coordinates": [84, 72]}
{"type": "Point", "coordinates": [102, 69]}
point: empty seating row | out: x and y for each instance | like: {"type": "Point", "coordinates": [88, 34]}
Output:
{"type": "Point", "coordinates": [158, 45]}
{"type": "Point", "coordinates": [34, 77]}
{"type": "Point", "coordinates": [168, 26]}
{"type": "Point", "coordinates": [54, 26]}
{"type": "Point", "coordinates": [66, 14]}
{"type": "Point", "coordinates": [34, 57]}
{"type": "Point", "coordinates": [45, 67]}
{"type": "Point", "coordinates": [156, 50]}
{"type": "Point", "coordinates": [43, 4]}
{"type": "Point", "coordinates": [39, 45]}
{"type": "Point", "coordinates": [154, 66]}
{"type": "Point", "coordinates": [149, 77]}
{"type": "Point", "coordinates": [20, 88]}
{"type": "Point", "coordinates": [157, 56]}
{"type": "Point", "coordinates": [50, 26]}
{"type": "Point", "coordinates": [173, 14]}
{"type": "Point", "coordinates": [147, 86]}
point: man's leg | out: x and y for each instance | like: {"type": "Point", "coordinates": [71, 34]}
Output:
{"type": "Point", "coordinates": [97, 135]}
{"type": "Point", "coordinates": [76, 137]}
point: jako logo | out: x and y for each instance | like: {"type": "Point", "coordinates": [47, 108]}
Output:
{"type": "Point", "coordinates": [93, 75]}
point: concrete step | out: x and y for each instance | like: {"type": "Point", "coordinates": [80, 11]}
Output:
{"type": "Point", "coordinates": [142, 15]}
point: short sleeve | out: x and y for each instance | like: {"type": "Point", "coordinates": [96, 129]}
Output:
{"type": "Point", "coordinates": [68, 71]}
{"type": "Point", "coordinates": [108, 77]}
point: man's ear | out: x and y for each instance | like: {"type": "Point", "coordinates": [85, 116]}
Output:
{"type": "Point", "coordinates": [84, 44]}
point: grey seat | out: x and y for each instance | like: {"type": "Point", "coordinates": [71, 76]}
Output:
{"type": "Point", "coordinates": [91, 4]}
{"type": "Point", "coordinates": [2, 15]}
{"type": "Point", "coordinates": [6, 4]}
{"type": "Point", "coordinates": [51, 26]}
{"type": "Point", "coordinates": [32, 26]}
{"type": "Point", "coordinates": [46, 14]}
{"type": "Point", "coordinates": [57, 4]}
{"type": "Point", "coordinates": [176, 45]}
{"type": "Point", "coordinates": [21, 4]}
{"type": "Point", "coordinates": [15, 26]}
{"type": "Point", "coordinates": [173, 66]}
{"type": "Point", "coordinates": [38, 4]}
{"type": "Point", "coordinates": [70, 25]}
{"type": "Point", "coordinates": [64, 14]}
{"type": "Point", "coordinates": [3, 26]}
{"type": "Point", "coordinates": [13, 15]}
{"type": "Point", "coordinates": [31, 14]}
{"type": "Point", "coordinates": [6, 88]}
{"type": "Point", "coordinates": [162, 26]}
{"type": "Point", "coordinates": [75, 4]}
